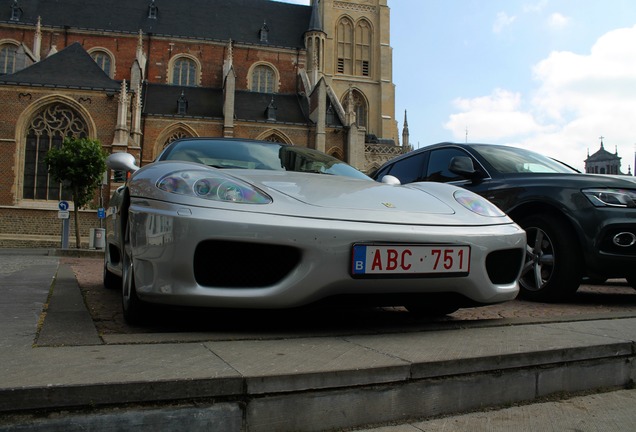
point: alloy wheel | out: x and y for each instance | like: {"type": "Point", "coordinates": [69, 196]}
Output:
{"type": "Point", "coordinates": [539, 265]}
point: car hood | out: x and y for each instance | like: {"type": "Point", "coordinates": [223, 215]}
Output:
{"type": "Point", "coordinates": [328, 197]}
{"type": "Point", "coordinates": [335, 192]}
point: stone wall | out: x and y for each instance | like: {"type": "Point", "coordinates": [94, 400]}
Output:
{"type": "Point", "coordinates": [33, 228]}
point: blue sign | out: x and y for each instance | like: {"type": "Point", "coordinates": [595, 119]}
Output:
{"type": "Point", "coordinates": [63, 205]}
{"type": "Point", "coordinates": [101, 213]}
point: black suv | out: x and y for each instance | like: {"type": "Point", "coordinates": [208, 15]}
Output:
{"type": "Point", "coordinates": [578, 225]}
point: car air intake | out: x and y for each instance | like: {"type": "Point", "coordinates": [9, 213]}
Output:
{"type": "Point", "coordinates": [232, 264]}
{"type": "Point", "coordinates": [504, 266]}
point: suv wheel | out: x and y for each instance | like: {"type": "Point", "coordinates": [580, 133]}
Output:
{"type": "Point", "coordinates": [552, 271]}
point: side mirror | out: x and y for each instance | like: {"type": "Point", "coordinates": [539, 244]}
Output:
{"type": "Point", "coordinates": [463, 166]}
{"type": "Point", "coordinates": [121, 161]}
{"type": "Point", "coordinates": [391, 180]}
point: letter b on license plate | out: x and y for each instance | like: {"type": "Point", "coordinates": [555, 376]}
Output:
{"type": "Point", "coordinates": [410, 260]}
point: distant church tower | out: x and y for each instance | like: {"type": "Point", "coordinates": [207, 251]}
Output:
{"type": "Point", "coordinates": [603, 162]}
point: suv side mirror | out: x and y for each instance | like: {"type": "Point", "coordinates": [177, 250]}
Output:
{"type": "Point", "coordinates": [463, 166]}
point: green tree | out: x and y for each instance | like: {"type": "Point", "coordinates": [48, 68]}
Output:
{"type": "Point", "coordinates": [79, 165]}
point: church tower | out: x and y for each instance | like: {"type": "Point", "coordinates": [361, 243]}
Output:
{"type": "Point", "coordinates": [603, 162]}
{"type": "Point", "coordinates": [358, 61]}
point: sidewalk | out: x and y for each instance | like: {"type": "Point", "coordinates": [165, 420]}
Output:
{"type": "Point", "coordinates": [278, 384]}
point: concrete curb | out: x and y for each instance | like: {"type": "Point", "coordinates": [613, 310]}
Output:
{"type": "Point", "coordinates": [357, 381]}
{"type": "Point", "coordinates": [306, 383]}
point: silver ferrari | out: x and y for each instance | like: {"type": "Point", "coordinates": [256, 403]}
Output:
{"type": "Point", "coordinates": [233, 223]}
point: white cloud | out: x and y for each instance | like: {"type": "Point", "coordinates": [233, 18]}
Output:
{"type": "Point", "coordinates": [492, 117]}
{"type": "Point", "coordinates": [502, 21]}
{"type": "Point", "coordinates": [578, 98]}
{"type": "Point", "coordinates": [558, 21]}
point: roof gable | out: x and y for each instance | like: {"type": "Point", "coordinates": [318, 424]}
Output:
{"type": "Point", "coordinates": [71, 67]}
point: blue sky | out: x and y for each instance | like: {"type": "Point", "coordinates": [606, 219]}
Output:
{"type": "Point", "coordinates": [548, 75]}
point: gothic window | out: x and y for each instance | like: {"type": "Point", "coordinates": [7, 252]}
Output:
{"type": "Point", "coordinates": [337, 153]}
{"type": "Point", "coordinates": [274, 135]}
{"type": "Point", "coordinates": [331, 115]}
{"type": "Point", "coordinates": [263, 79]}
{"type": "Point", "coordinates": [363, 48]}
{"type": "Point", "coordinates": [360, 108]}
{"type": "Point", "coordinates": [345, 47]}
{"type": "Point", "coordinates": [8, 55]}
{"type": "Point", "coordinates": [274, 138]}
{"type": "Point", "coordinates": [184, 72]}
{"type": "Point", "coordinates": [361, 114]}
{"type": "Point", "coordinates": [104, 61]}
{"type": "Point", "coordinates": [47, 130]}
{"type": "Point", "coordinates": [178, 134]}
{"type": "Point", "coordinates": [354, 48]}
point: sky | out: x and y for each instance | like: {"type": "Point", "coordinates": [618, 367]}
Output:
{"type": "Point", "coordinates": [553, 76]}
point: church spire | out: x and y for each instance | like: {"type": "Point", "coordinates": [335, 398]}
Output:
{"type": "Point", "coordinates": [315, 22]}
{"type": "Point", "coordinates": [315, 39]}
{"type": "Point", "coordinates": [405, 132]}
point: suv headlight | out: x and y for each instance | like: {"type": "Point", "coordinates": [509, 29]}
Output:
{"type": "Point", "coordinates": [212, 186]}
{"type": "Point", "coordinates": [611, 197]}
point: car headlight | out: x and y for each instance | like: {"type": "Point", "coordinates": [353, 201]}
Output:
{"type": "Point", "coordinates": [212, 186]}
{"type": "Point", "coordinates": [477, 204]}
{"type": "Point", "coordinates": [611, 197]}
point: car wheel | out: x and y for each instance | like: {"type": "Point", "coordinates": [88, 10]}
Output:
{"type": "Point", "coordinates": [552, 271]}
{"type": "Point", "coordinates": [111, 280]}
{"type": "Point", "coordinates": [431, 310]}
{"type": "Point", "coordinates": [134, 309]}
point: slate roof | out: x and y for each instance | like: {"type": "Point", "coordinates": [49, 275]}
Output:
{"type": "Point", "coordinates": [161, 99]}
{"type": "Point", "coordinates": [71, 67]}
{"type": "Point", "coordinates": [290, 108]}
{"type": "Point", "coordinates": [220, 20]}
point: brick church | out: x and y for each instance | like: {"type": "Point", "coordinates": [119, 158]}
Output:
{"type": "Point", "coordinates": [137, 74]}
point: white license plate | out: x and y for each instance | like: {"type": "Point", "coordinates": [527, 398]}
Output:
{"type": "Point", "coordinates": [442, 260]}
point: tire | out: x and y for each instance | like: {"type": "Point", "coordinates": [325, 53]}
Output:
{"type": "Point", "coordinates": [135, 311]}
{"type": "Point", "coordinates": [552, 270]}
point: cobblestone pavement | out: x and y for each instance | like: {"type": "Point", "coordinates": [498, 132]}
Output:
{"type": "Point", "coordinates": [613, 299]}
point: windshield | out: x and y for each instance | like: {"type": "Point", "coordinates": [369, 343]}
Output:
{"type": "Point", "coordinates": [236, 154]}
{"type": "Point", "coordinates": [512, 160]}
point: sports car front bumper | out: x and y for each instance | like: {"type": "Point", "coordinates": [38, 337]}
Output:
{"type": "Point", "coordinates": [195, 256]}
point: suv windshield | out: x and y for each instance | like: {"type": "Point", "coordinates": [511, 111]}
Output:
{"type": "Point", "coordinates": [512, 160]}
